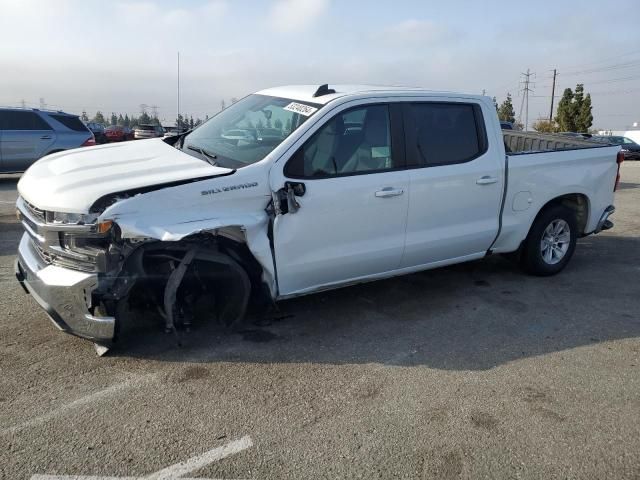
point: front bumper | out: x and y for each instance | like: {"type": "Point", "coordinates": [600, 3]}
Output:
{"type": "Point", "coordinates": [65, 295]}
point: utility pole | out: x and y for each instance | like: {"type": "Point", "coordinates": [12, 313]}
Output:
{"type": "Point", "coordinates": [525, 99]}
{"type": "Point", "coordinates": [42, 104]}
{"type": "Point", "coordinates": [178, 116]}
{"type": "Point", "coordinates": [553, 92]}
{"type": "Point", "coordinates": [23, 103]}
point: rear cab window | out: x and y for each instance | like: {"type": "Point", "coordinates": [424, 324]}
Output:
{"type": "Point", "coordinates": [444, 133]}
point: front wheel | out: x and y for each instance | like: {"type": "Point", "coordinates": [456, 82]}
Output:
{"type": "Point", "coordinates": [551, 241]}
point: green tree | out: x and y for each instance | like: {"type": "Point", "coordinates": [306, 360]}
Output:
{"type": "Point", "coordinates": [114, 119]}
{"type": "Point", "coordinates": [84, 117]}
{"type": "Point", "coordinates": [565, 115]}
{"type": "Point", "coordinates": [99, 117]}
{"type": "Point", "coordinates": [127, 121]}
{"type": "Point", "coordinates": [495, 104]}
{"type": "Point", "coordinates": [144, 119]}
{"type": "Point", "coordinates": [506, 113]}
{"type": "Point", "coordinates": [120, 120]}
{"type": "Point", "coordinates": [584, 119]}
{"type": "Point", "coordinates": [191, 124]}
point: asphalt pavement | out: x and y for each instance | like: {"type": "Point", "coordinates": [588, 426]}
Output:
{"type": "Point", "coordinates": [472, 371]}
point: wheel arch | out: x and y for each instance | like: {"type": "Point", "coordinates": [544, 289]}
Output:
{"type": "Point", "coordinates": [577, 202]}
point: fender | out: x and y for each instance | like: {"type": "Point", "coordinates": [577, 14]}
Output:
{"type": "Point", "coordinates": [233, 206]}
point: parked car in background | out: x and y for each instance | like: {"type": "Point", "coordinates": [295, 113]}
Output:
{"type": "Point", "coordinates": [506, 125]}
{"type": "Point", "coordinates": [148, 131]}
{"type": "Point", "coordinates": [98, 131]}
{"type": "Point", "coordinates": [171, 131]}
{"type": "Point", "coordinates": [630, 149]}
{"type": "Point", "coordinates": [29, 134]}
{"type": "Point", "coordinates": [118, 133]}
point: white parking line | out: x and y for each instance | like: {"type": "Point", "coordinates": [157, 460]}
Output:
{"type": "Point", "coordinates": [174, 471]}
{"type": "Point", "coordinates": [80, 402]}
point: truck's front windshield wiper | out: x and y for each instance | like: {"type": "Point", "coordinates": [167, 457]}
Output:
{"type": "Point", "coordinates": [211, 157]}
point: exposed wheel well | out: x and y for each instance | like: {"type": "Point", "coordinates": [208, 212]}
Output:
{"type": "Point", "coordinates": [147, 274]}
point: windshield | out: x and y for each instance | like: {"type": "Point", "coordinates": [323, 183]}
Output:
{"type": "Point", "coordinates": [248, 130]}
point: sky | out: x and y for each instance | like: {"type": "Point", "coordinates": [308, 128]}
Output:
{"type": "Point", "coordinates": [115, 55]}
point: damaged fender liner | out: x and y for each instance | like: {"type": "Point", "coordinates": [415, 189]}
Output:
{"type": "Point", "coordinates": [232, 296]}
{"type": "Point", "coordinates": [107, 200]}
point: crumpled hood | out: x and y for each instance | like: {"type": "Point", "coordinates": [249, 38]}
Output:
{"type": "Point", "coordinates": [72, 181]}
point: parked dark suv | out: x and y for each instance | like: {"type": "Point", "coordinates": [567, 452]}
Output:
{"type": "Point", "coordinates": [98, 131]}
{"type": "Point", "coordinates": [26, 135]}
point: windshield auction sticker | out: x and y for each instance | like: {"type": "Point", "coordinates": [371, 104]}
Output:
{"type": "Point", "coordinates": [300, 108]}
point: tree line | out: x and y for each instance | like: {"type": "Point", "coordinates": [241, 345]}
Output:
{"type": "Point", "coordinates": [574, 113]}
{"type": "Point", "coordinates": [133, 121]}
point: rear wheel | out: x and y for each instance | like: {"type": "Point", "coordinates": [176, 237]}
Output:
{"type": "Point", "coordinates": [551, 241]}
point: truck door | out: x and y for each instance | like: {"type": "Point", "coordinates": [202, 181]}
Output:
{"type": "Point", "coordinates": [456, 182]}
{"type": "Point", "coordinates": [349, 180]}
{"type": "Point", "coordinates": [25, 138]}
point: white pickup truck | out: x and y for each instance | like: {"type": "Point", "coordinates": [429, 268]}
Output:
{"type": "Point", "coordinates": [298, 189]}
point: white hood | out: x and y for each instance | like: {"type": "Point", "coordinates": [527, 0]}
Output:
{"type": "Point", "coordinates": [72, 181]}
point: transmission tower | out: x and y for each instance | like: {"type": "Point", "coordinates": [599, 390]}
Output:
{"type": "Point", "coordinates": [143, 108]}
{"type": "Point", "coordinates": [525, 98]}
{"type": "Point", "coordinates": [154, 111]}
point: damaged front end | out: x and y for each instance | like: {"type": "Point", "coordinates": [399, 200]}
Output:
{"type": "Point", "coordinates": [95, 279]}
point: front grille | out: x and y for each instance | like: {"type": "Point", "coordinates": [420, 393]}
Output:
{"type": "Point", "coordinates": [35, 212]}
{"type": "Point", "coordinates": [54, 245]}
{"type": "Point", "coordinates": [51, 258]}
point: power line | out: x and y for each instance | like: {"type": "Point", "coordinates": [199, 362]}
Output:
{"type": "Point", "coordinates": [597, 62]}
{"type": "Point", "coordinates": [606, 68]}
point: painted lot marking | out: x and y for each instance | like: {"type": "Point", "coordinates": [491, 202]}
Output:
{"type": "Point", "coordinates": [175, 471]}
{"type": "Point", "coordinates": [80, 402]}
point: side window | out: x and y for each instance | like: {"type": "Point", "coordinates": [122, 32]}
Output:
{"type": "Point", "coordinates": [445, 133]}
{"type": "Point", "coordinates": [354, 141]}
{"type": "Point", "coordinates": [15, 120]}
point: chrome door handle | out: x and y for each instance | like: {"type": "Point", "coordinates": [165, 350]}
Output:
{"type": "Point", "coordinates": [486, 180]}
{"type": "Point", "coordinates": [45, 137]}
{"type": "Point", "coordinates": [387, 192]}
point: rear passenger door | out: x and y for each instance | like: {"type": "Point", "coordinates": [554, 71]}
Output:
{"type": "Point", "coordinates": [25, 138]}
{"type": "Point", "coordinates": [456, 178]}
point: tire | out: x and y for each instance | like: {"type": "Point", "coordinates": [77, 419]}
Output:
{"type": "Point", "coordinates": [551, 241]}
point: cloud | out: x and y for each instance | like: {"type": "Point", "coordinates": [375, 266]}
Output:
{"type": "Point", "coordinates": [149, 14]}
{"type": "Point", "coordinates": [424, 32]}
{"type": "Point", "coordinates": [295, 15]}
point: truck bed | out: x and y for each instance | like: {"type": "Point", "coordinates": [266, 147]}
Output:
{"type": "Point", "coordinates": [540, 167]}
{"type": "Point", "coordinates": [517, 142]}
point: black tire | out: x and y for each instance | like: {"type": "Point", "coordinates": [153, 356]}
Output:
{"type": "Point", "coordinates": [550, 257]}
